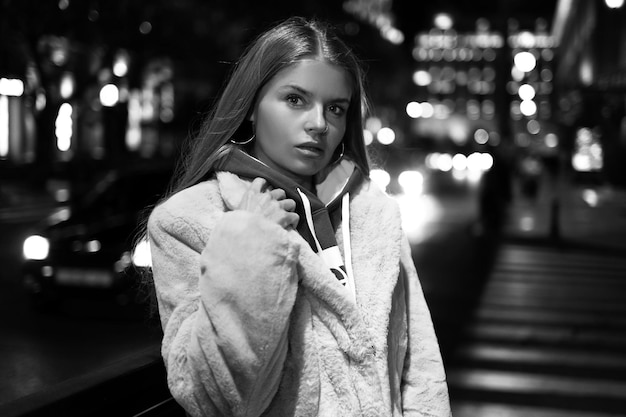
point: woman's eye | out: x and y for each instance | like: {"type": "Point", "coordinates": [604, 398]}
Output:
{"type": "Point", "coordinates": [336, 110]}
{"type": "Point", "coordinates": [294, 99]}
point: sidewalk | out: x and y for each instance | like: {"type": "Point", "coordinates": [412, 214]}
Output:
{"type": "Point", "coordinates": [567, 213]}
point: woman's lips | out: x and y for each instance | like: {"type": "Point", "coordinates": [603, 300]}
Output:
{"type": "Point", "coordinates": [311, 149]}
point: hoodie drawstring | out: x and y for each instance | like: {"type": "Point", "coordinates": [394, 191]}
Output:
{"type": "Point", "coordinates": [347, 248]}
{"type": "Point", "coordinates": [331, 256]}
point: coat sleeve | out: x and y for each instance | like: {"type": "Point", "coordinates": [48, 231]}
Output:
{"type": "Point", "coordinates": [424, 387]}
{"type": "Point", "coordinates": [226, 286]}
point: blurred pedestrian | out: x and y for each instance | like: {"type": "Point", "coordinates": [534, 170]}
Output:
{"type": "Point", "coordinates": [530, 170]}
{"type": "Point", "coordinates": [284, 282]}
{"type": "Point", "coordinates": [496, 192]}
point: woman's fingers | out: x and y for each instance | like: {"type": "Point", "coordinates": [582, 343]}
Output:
{"type": "Point", "coordinates": [287, 204]}
{"type": "Point", "coordinates": [290, 220]}
{"type": "Point", "coordinates": [258, 184]}
{"type": "Point", "coordinates": [278, 193]}
{"type": "Point", "coordinates": [271, 203]}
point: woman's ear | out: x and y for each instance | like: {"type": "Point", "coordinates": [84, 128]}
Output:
{"type": "Point", "coordinates": [251, 116]}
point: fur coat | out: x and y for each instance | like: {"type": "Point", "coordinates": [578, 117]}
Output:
{"type": "Point", "coordinates": [255, 324]}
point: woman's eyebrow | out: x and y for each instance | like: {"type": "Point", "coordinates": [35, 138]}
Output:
{"type": "Point", "coordinates": [297, 88]}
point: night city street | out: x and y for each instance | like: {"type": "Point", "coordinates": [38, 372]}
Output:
{"type": "Point", "coordinates": [524, 327]}
{"type": "Point", "coordinates": [498, 126]}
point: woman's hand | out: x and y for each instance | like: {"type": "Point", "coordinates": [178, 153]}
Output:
{"type": "Point", "coordinates": [273, 204]}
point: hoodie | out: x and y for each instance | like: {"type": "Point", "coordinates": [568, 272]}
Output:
{"type": "Point", "coordinates": [318, 219]}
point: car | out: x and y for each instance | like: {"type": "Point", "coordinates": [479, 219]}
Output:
{"type": "Point", "coordinates": [91, 248]}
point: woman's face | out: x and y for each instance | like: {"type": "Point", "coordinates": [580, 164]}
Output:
{"type": "Point", "coordinates": [300, 118]}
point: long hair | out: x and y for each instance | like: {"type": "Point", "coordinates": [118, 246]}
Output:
{"type": "Point", "coordinates": [283, 45]}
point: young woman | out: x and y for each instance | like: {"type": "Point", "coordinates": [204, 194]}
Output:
{"type": "Point", "coordinates": [284, 282]}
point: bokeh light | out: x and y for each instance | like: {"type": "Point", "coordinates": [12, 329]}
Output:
{"type": "Point", "coordinates": [525, 61]}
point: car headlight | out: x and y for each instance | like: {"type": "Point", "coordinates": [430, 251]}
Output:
{"type": "Point", "coordinates": [36, 247]}
{"type": "Point", "coordinates": [141, 255]}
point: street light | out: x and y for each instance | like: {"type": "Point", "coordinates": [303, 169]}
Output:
{"type": "Point", "coordinates": [614, 4]}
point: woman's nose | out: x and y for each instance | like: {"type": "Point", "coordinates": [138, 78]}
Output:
{"type": "Point", "coordinates": [317, 119]}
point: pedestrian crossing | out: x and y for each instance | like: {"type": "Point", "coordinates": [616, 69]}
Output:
{"type": "Point", "coordinates": [548, 337]}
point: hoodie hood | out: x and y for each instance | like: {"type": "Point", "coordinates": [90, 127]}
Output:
{"type": "Point", "coordinates": [320, 213]}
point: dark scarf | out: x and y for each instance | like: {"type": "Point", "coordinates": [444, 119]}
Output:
{"type": "Point", "coordinates": [325, 218]}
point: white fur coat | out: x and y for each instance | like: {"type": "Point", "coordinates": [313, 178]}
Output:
{"type": "Point", "coordinates": [256, 324]}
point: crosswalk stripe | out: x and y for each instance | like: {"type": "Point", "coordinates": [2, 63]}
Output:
{"type": "Point", "coordinates": [565, 304]}
{"type": "Point", "coordinates": [525, 383]}
{"type": "Point", "coordinates": [486, 409]}
{"type": "Point", "coordinates": [548, 288]}
{"type": "Point", "coordinates": [523, 315]}
{"type": "Point", "coordinates": [546, 335]}
{"type": "Point", "coordinates": [532, 355]}
{"type": "Point", "coordinates": [597, 279]}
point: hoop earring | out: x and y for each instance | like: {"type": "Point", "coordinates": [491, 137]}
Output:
{"type": "Point", "coordinates": [245, 142]}
{"type": "Point", "coordinates": [343, 148]}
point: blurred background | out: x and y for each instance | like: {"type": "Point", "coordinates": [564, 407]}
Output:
{"type": "Point", "coordinates": [498, 125]}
